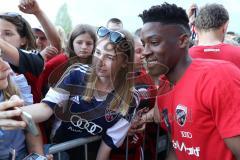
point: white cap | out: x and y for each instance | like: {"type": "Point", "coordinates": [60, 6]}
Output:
{"type": "Point", "coordinates": [38, 27]}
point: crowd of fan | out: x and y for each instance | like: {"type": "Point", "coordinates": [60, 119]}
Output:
{"type": "Point", "coordinates": [174, 84]}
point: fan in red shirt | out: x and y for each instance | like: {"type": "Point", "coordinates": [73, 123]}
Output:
{"type": "Point", "coordinates": [211, 25]}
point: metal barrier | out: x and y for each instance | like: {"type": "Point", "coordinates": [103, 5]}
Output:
{"type": "Point", "coordinates": [57, 148]}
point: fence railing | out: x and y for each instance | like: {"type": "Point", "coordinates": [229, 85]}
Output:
{"type": "Point", "coordinates": [161, 142]}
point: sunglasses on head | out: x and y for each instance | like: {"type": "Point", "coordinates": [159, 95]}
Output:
{"type": "Point", "coordinates": [114, 36]}
{"type": "Point", "coordinates": [11, 14]}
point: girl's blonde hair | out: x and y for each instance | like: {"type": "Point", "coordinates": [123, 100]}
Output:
{"type": "Point", "coordinates": [11, 89]}
{"type": "Point", "coordinates": [122, 84]}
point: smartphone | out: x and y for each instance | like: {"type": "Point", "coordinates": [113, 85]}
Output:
{"type": "Point", "coordinates": [35, 156]}
{"type": "Point", "coordinates": [31, 125]}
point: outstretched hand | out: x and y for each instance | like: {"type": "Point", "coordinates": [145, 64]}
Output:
{"type": "Point", "coordinates": [49, 52]}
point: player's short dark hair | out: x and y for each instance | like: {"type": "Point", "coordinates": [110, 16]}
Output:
{"type": "Point", "coordinates": [166, 14]}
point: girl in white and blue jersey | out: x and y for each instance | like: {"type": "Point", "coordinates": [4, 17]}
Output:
{"type": "Point", "coordinates": [97, 101]}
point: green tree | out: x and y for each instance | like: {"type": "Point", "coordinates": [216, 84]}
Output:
{"type": "Point", "coordinates": [63, 19]}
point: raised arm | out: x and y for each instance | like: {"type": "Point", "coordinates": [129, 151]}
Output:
{"type": "Point", "coordinates": [32, 7]}
{"type": "Point", "coordinates": [9, 52]}
{"type": "Point", "coordinates": [40, 112]}
{"type": "Point", "coordinates": [21, 61]}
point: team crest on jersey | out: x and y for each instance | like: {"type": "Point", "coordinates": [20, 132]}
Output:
{"type": "Point", "coordinates": [143, 92]}
{"type": "Point", "coordinates": [110, 115]}
{"type": "Point", "coordinates": [181, 114]}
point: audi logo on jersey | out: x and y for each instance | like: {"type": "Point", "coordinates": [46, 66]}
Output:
{"type": "Point", "coordinates": [181, 114]}
{"type": "Point", "coordinates": [81, 123]}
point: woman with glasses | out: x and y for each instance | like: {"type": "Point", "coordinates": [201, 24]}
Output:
{"type": "Point", "coordinates": [101, 102]}
{"type": "Point", "coordinates": [138, 135]}
{"type": "Point", "coordinates": [17, 41]}
{"type": "Point", "coordinates": [15, 38]}
{"type": "Point", "coordinates": [16, 33]}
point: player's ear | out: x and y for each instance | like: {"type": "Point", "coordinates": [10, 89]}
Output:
{"type": "Point", "coordinates": [183, 41]}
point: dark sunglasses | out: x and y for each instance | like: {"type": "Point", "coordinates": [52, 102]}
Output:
{"type": "Point", "coordinates": [114, 36]}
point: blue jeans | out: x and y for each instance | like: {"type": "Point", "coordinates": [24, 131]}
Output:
{"type": "Point", "coordinates": [19, 155]}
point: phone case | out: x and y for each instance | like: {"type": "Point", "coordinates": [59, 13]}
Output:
{"type": "Point", "coordinates": [31, 125]}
